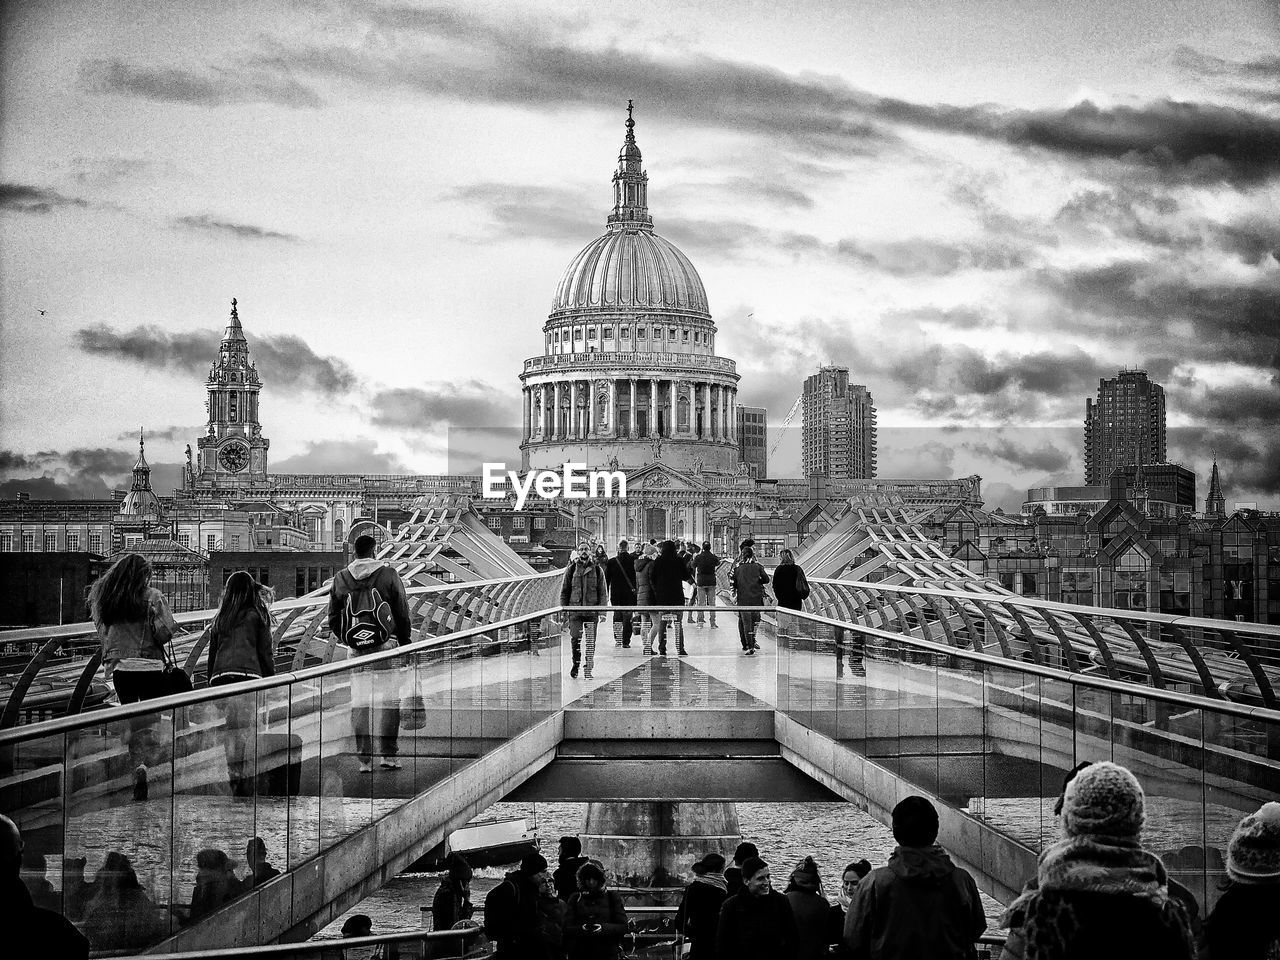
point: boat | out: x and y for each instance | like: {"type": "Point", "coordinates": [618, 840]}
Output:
{"type": "Point", "coordinates": [488, 843]}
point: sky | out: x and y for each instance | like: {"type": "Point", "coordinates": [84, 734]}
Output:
{"type": "Point", "coordinates": [979, 208]}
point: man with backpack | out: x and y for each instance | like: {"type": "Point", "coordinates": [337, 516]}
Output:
{"type": "Point", "coordinates": [511, 910]}
{"type": "Point", "coordinates": [369, 613]}
{"type": "Point", "coordinates": [621, 576]}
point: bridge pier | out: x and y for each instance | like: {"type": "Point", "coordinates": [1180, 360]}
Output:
{"type": "Point", "coordinates": [654, 843]}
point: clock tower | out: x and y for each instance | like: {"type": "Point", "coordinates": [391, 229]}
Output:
{"type": "Point", "coordinates": [233, 451]}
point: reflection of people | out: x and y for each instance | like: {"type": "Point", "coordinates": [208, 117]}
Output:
{"type": "Point", "coordinates": [260, 871]}
{"type": "Point", "coordinates": [121, 916]}
{"type": "Point", "coordinates": [30, 930]}
{"type": "Point", "coordinates": [216, 883]}
{"type": "Point", "coordinates": [375, 692]}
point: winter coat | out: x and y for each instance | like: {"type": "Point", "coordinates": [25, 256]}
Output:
{"type": "Point", "coordinates": [32, 931]}
{"type": "Point", "coordinates": [213, 888]}
{"type": "Point", "coordinates": [919, 905]}
{"type": "Point", "coordinates": [621, 574]}
{"type": "Point", "coordinates": [704, 569]}
{"type": "Point", "coordinates": [583, 585]}
{"type": "Point", "coordinates": [1244, 924]}
{"type": "Point", "coordinates": [124, 920]}
{"type": "Point", "coordinates": [566, 877]}
{"type": "Point", "coordinates": [450, 904]}
{"type": "Point", "coordinates": [378, 575]}
{"type": "Point", "coordinates": [667, 577]}
{"type": "Point", "coordinates": [644, 585]}
{"type": "Point", "coordinates": [142, 640]}
{"type": "Point", "coordinates": [813, 923]}
{"type": "Point", "coordinates": [511, 916]}
{"type": "Point", "coordinates": [245, 648]}
{"type": "Point", "coordinates": [787, 578]}
{"type": "Point", "coordinates": [748, 584]}
{"type": "Point", "coordinates": [756, 928]}
{"type": "Point", "coordinates": [699, 917]}
{"type": "Point", "coordinates": [549, 929]}
{"type": "Point", "coordinates": [604, 907]}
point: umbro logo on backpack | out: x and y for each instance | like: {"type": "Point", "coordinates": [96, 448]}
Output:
{"type": "Point", "coordinates": [367, 621]}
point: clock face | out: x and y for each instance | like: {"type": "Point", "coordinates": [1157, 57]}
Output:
{"type": "Point", "coordinates": [234, 456]}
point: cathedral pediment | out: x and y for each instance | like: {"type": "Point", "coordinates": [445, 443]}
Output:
{"type": "Point", "coordinates": [659, 477]}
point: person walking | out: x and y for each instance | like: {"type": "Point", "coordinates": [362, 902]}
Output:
{"type": "Point", "coordinates": [699, 914]}
{"type": "Point", "coordinates": [621, 576]}
{"type": "Point", "coordinates": [583, 586]}
{"type": "Point", "coordinates": [1245, 924]}
{"type": "Point", "coordinates": [705, 564]}
{"type": "Point", "coordinates": [566, 874]}
{"type": "Point", "coordinates": [789, 583]}
{"type": "Point", "coordinates": [239, 650]}
{"type": "Point", "coordinates": [1096, 892]}
{"type": "Point", "coordinates": [748, 583]}
{"type": "Point", "coordinates": [918, 905]}
{"type": "Point", "coordinates": [756, 923]}
{"type": "Point", "coordinates": [369, 612]}
{"type": "Point", "coordinates": [667, 577]}
{"type": "Point", "coordinates": [812, 911]}
{"type": "Point", "coordinates": [644, 596]}
{"type": "Point", "coordinates": [134, 625]}
{"type": "Point", "coordinates": [596, 920]}
{"type": "Point", "coordinates": [32, 931]}
{"type": "Point", "coordinates": [686, 551]}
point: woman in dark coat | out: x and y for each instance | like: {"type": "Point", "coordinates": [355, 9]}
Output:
{"type": "Point", "coordinates": [452, 901]}
{"type": "Point", "coordinates": [644, 596]}
{"type": "Point", "coordinates": [1245, 924]}
{"type": "Point", "coordinates": [667, 578]}
{"type": "Point", "coordinates": [789, 583]}
{"type": "Point", "coordinates": [699, 912]}
{"type": "Point", "coordinates": [596, 920]}
{"type": "Point", "coordinates": [812, 911]}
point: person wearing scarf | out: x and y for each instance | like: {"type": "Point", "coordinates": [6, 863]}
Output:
{"type": "Point", "coordinates": [699, 911]}
{"type": "Point", "coordinates": [849, 881]}
{"type": "Point", "coordinates": [811, 909]}
{"type": "Point", "coordinates": [1097, 894]}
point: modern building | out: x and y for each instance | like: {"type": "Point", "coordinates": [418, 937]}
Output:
{"type": "Point", "coordinates": [289, 574]}
{"type": "Point", "coordinates": [1157, 489]}
{"type": "Point", "coordinates": [838, 426]}
{"type": "Point", "coordinates": [1124, 426]}
{"type": "Point", "coordinates": [753, 440]}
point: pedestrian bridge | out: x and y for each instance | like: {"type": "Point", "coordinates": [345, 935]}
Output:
{"type": "Point", "coordinates": [848, 701]}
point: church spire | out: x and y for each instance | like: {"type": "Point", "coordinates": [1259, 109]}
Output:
{"type": "Point", "coordinates": [1215, 505]}
{"type": "Point", "coordinates": [234, 331]}
{"type": "Point", "coordinates": [630, 184]}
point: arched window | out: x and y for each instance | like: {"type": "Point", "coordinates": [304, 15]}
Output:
{"type": "Point", "coordinates": [682, 413]}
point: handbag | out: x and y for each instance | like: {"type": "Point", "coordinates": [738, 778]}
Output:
{"type": "Point", "coordinates": [413, 714]}
{"type": "Point", "coordinates": [802, 585]}
{"type": "Point", "coordinates": [174, 679]}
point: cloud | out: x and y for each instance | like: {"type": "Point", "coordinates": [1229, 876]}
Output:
{"type": "Point", "coordinates": [1045, 458]}
{"type": "Point", "coordinates": [1257, 79]}
{"type": "Point", "coordinates": [467, 403]}
{"type": "Point", "coordinates": [103, 461]}
{"type": "Point", "coordinates": [13, 460]}
{"type": "Point", "coordinates": [1249, 460]}
{"type": "Point", "coordinates": [81, 473]}
{"type": "Point", "coordinates": [285, 362]}
{"type": "Point", "coordinates": [163, 433]}
{"type": "Point", "coordinates": [23, 198]}
{"type": "Point", "coordinates": [210, 86]}
{"type": "Point", "coordinates": [925, 257]}
{"type": "Point", "coordinates": [931, 459]}
{"type": "Point", "coordinates": [559, 214]}
{"type": "Point", "coordinates": [244, 231]}
{"type": "Point", "coordinates": [340, 456]}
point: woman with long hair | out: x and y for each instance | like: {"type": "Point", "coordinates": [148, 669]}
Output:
{"type": "Point", "coordinates": [789, 583]}
{"type": "Point", "coordinates": [240, 650]}
{"type": "Point", "coordinates": [133, 621]}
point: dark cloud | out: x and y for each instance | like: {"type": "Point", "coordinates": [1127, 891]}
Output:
{"type": "Point", "coordinates": [1045, 457]}
{"type": "Point", "coordinates": [340, 456]}
{"type": "Point", "coordinates": [23, 198]}
{"type": "Point", "coordinates": [285, 362]}
{"type": "Point", "coordinates": [103, 461]}
{"type": "Point", "coordinates": [933, 458]}
{"type": "Point", "coordinates": [1249, 460]}
{"type": "Point", "coordinates": [13, 460]}
{"type": "Point", "coordinates": [467, 403]}
{"type": "Point", "coordinates": [82, 473]}
{"type": "Point", "coordinates": [210, 86]}
{"type": "Point", "coordinates": [244, 231]}
{"type": "Point", "coordinates": [774, 190]}
{"type": "Point", "coordinates": [51, 488]}
{"type": "Point", "coordinates": [924, 257]}
{"type": "Point", "coordinates": [163, 433]}
{"type": "Point", "coordinates": [1257, 79]}
{"type": "Point", "coordinates": [560, 214]}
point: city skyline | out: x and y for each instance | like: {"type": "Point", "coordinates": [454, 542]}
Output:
{"type": "Point", "coordinates": [979, 257]}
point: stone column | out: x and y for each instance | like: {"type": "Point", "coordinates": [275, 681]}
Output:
{"type": "Point", "coordinates": [591, 407]}
{"type": "Point", "coordinates": [653, 407]}
{"type": "Point", "coordinates": [546, 411]}
{"type": "Point", "coordinates": [706, 410]}
{"type": "Point", "coordinates": [612, 426]}
{"type": "Point", "coordinates": [573, 410]}
{"type": "Point", "coordinates": [555, 411]}
{"type": "Point", "coordinates": [724, 412]}
{"type": "Point", "coordinates": [632, 410]}
{"type": "Point", "coordinates": [527, 408]}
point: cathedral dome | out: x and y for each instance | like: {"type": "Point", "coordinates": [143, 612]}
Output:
{"type": "Point", "coordinates": [631, 269]}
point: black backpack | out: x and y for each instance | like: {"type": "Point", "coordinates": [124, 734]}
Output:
{"type": "Point", "coordinates": [501, 913]}
{"type": "Point", "coordinates": [367, 622]}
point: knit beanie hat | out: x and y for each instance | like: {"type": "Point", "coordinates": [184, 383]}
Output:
{"type": "Point", "coordinates": [1104, 799]}
{"type": "Point", "coordinates": [753, 866]}
{"type": "Point", "coordinates": [1253, 856]}
{"type": "Point", "coordinates": [533, 863]}
{"type": "Point", "coordinates": [712, 863]}
{"type": "Point", "coordinates": [745, 851]}
{"type": "Point", "coordinates": [805, 875]}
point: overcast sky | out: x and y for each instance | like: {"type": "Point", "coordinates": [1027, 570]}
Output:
{"type": "Point", "coordinates": [980, 208]}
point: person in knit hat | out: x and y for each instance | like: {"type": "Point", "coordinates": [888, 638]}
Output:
{"type": "Point", "coordinates": [700, 905]}
{"type": "Point", "coordinates": [1245, 924]}
{"type": "Point", "coordinates": [1097, 893]}
{"type": "Point", "coordinates": [919, 904]}
{"type": "Point", "coordinates": [511, 909]}
{"type": "Point", "coordinates": [756, 923]}
{"type": "Point", "coordinates": [811, 910]}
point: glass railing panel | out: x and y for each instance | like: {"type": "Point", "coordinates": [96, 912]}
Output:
{"type": "Point", "coordinates": [304, 720]}
{"type": "Point", "coordinates": [345, 792]}
{"type": "Point", "coordinates": [883, 699]}
{"type": "Point", "coordinates": [849, 653]}
{"type": "Point", "coordinates": [494, 693]}
{"type": "Point", "coordinates": [119, 830]}
{"type": "Point", "coordinates": [1057, 747]}
{"type": "Point", "coordinates": [789, 701]}
{"type": "Point", "coordinates": [390, 684]}
{"type": "Point", "coordinates": [281, 755]}
{"type": "Point", "coordinates": [803, 667]}
{"type": "Point", "coordinates": [32, 778]}
{"type": "Point", "coordinates": [1011, 726]}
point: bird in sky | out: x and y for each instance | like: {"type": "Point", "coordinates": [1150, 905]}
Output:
{"type": "Point", "coordinates": [42, 313]}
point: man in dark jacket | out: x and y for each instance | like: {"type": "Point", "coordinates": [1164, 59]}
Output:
{"type": "Point", "coordinates": [756, 923]}
{"type": "Point", "coordinates": [705, 564]}
{"type": "Point", "coordinates": [583, 586]}
{"type": "Point", "coordinates": [668, 577]}
{"type": "Point", "coordinates": [511, 910]}
{"type": "Point", "coordinates": [621, 574]}
{"type": "Point", "coordinates": [733, 875]}
{"type": "Point", "coordinates": [31, 931]}
{"type": "Point", "coordinates": [566, 875]}
{"type": "Point", "coordinates": [747, 585]}
{"type": "Point", "coordinates": [375, 693]}
{"type": "Point", "coordinates": [920, 904]}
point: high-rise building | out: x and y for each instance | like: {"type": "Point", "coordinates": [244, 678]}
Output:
{"type": "Point", "coordinates": [753, 446]}
{"type": "Point", "coordinates": [1124, 426]}
{"type": "Point", "coordinates": [838, 429]}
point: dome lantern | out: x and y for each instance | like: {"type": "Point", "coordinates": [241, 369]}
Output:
{"type": "Point", "coordinates": [630, 185]}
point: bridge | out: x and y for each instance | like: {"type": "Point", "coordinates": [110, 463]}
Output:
{"type": "Point", "coordinates": [934, 684]}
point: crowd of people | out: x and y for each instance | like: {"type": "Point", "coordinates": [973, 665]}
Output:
{"type": "Point", "coordinates": [656, 575]}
